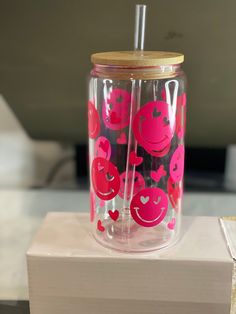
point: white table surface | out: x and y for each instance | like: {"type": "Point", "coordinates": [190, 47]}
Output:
{"type": "Point", "coordinates": [22, 211]}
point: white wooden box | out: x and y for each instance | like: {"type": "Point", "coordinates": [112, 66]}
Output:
{"type": "Point", "coordinates": [69, 273]}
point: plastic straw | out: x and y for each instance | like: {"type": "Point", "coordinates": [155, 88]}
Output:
{"type": "Point", "coordinates": [139, 36]}
{"type": "Point", "coordinates": [140, 22]}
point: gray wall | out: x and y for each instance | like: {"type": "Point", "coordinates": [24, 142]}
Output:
{"type": "Point", "coordinates": [45, 48]}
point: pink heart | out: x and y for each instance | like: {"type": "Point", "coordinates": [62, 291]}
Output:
{"type": "Point", "coordinates": [114, 215]}
{"type": "Point", "coordinates": [171, 224]}
{"type": "Point", "coordinates": [104, 145]}
{"type": "Point", "coordinates": [102, 203]}
{"type": "Point", "coordinates": [156, 175]}
{"type": "Point", "coordinates": [100, 227]}
{"type": "Point", "coordinates": [134, 159]}
{"type": "Point", "coordinates": [122, 139]}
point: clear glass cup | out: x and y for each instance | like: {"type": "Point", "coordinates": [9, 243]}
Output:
{"type": "Point", "coordinates": [136, 151]}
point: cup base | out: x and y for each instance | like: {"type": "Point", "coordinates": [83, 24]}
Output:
{"type": "Point", "coordinates": [127, 236]}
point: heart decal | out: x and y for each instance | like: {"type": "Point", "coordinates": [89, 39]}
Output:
{"type": "Point", "coordinates": [100, 227]}
{"type": "Point", "coordinates": [114, 215]}
{"type": "Point", "coordinates": [102, 203]}
{"type": "Point", "coordinates": [171, 224]}
{"type": "Point", "coordinates": [134, 159]}
{"type": "Point", "coordinates": [104, 145]}
{"type": "Point", "coordinates": [157, 175]}
{"type": "Point", "coordinates": [122, 139]}
{"type": "Point", "coordinates": [144, 200]}
{"type": "Point", "coordinates": [102, 148]}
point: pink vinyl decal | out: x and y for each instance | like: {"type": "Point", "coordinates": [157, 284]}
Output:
{"type": "Point", "coordinates": [149, 207]}
{"type": "Point", "coordinates": [180, 133]}
{"type": "Point", "coordinates": [171, 224]}
{"type": "Point", "coordinates": [103, 148]}
{"type": "Point", "coordinates": [138, 183]}
{"type": "Point", "coordinates": [175, 192]}
{"type": "Point", "coordinates": [116, 109]}
{"type": "Point", "coordinates": [151, 127]}
{"type": "Point", "coordinates": [114, 214]}
{"type": "Point", "coordinates": [134, 159]}
{"type": "Point", "coordinates": [102, 203]}
{"type": "Point", "coordinates": [177, 164]}
{"type": "Point", "coordinates": [100, 226]}
{"type": "Point", "coordinates": [122, 139]}
{"type": "Point", "coordinates": [92, 206]}
{"type": "Point", "coordinates": [93, 121]}
{"type": "Point", "coordinates": [157, 175]}
{"type": "Point", "coordinates": [105, 178]}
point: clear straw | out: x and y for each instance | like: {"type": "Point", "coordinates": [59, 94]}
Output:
{"type": "Point", "coordinates": [139, 36]}
{"type": "Point", "coordinates": [140, 22]}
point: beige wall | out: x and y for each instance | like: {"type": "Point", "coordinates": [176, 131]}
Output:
{"type": "Point", "coordinates": [44, 59]}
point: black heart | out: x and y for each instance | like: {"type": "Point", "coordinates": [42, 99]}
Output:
{"type": "Point", "coordinates": [156, 113]}
{"type": "Point", "coordinates": [119, 99]}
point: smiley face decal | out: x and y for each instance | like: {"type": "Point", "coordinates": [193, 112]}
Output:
{"type": "Point", "coordinates": [103, 148]}
{"type": "Point", "coordinates": [116, 109]}
{"type": "Point", "coordinates": [105, 178]}
{"type": "Point", "coordinates": [177, 164]}
{"type": "Point", "coordinates": [149, 207]}
{"type": "Point", "coordinates": [138, 184]}
{"type": "Point", "coordinates": [93, 121]}
{"type": "Point", "coordinates": [151, 127]}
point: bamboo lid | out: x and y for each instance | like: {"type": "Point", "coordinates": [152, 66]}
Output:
{"type": "Point", "coordinates": [134, 58]}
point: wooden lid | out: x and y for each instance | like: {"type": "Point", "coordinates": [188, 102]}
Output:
{"type": "Point", "coordinates": [134, 58]}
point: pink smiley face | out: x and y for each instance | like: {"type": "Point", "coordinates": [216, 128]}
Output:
{"type": "Point", "coordinates": [93, 121]}
{"type": "Point", "coordinates": [151, 127]}
{"type": "Point", "coordinates": [149, 207]}
{"type": "Point", "coordinates": [105, 178]}
{"type": "Point", "coordinates": [138, 185]}
{"type": "Point", "coordinates": [116, 109]}
{"type": "Point", "coordinates": [177, 164]}
{"type": "Point", "coordinates": [103, 148]}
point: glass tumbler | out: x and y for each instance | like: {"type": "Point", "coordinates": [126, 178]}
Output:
{"type": "Point", "coordinates": [136, 125]}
